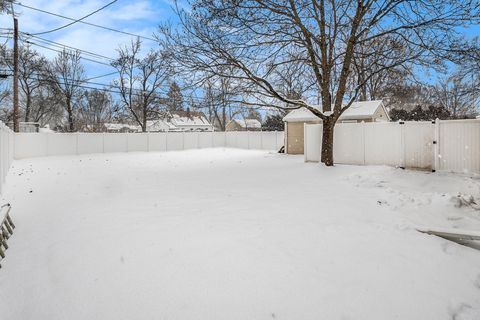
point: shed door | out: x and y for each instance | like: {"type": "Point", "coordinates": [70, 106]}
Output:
{"type": "Point", "coordinates": [295, 137]}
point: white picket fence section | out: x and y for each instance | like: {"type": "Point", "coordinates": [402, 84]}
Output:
{"type": "Point", "coordinates": [28, 145]}
{"type": "Point", "coordinates": [6, 152]}
{"type": "Point", "coordinates": [407, 145]}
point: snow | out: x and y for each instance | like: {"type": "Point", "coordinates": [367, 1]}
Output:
{"type": "Point", "coordinates": [235, 234]}
{"type": "Point", "coordinates": [248, 123]}
{"type": "Point", "coordinates": [358, 111]}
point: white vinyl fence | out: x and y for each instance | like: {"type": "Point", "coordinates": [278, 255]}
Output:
{"type": "Point", "coordinates": [450, 145]}
{"type": "Point", "coordinates": [29, 145]}
{"type": "Point", "coordinates": [6, 152]}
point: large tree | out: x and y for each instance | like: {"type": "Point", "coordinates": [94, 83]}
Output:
{"type": "Point", "coordinates": [141, 81]}
{"type": "Point", "coordinates": [256, 37]}
{"type": "Point", "coordinates": [32, 73]}
{"type": "Point", "coordinates": [66, 75]}
{"type": "Point", "coordinates": [96, 108]}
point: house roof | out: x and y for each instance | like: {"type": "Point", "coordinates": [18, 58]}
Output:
{"type": "Point", "coordinates": [358, 111]}
{"type": "Point", "coordinates": [120, 126]}
{"type": "Point", "coordinates": [189, 118]}
{"type": "Point", "coordinates": [248, 123]}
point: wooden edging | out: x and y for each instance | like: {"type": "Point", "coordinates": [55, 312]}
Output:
{"type": "Point", "coordinates": [6, 229]}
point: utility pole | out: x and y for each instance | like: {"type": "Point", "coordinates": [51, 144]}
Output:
{"type": "Point", "coordinates": [16, 116]}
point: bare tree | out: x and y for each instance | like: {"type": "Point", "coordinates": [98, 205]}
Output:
{"type": "Point", "coordinates": [220, 100]}
{"type": "Point", "coordinates": [255, 37]}
{"type": "Point", "coordinates": [6, 6]}
{"type": "Point", "coordinates": [96, 108]}
{"type": "Point", "coordinates": [460, 97]}
{"type": "Point", "coordinates": [32, 72]}
{"type": "Point", "coordinates": [141, 81]}
{"type": "Point", "coordinates": [66, 76]}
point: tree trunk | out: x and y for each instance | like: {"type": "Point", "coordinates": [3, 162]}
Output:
{"type": "Point", "coordinates": [27, 108]}
{"type": "Point", "coordinates": [71, 124]}
{"type": "Point", "coordinates": [327, 142]}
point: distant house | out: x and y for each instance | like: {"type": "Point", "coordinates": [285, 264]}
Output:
{"type": "Point", "coordinates": [188, 121]}
{"type": "Point", "coordinates": [28, 127]}
{"type": "Point", "coordinates": [363, 111]}
{"type": "Point", "coordinates": [243, 125]}
{"type": "Point", "coordinates": [121, 128]}
{"type": "Point", "coordinates": [159, 126]}
{"type": "Point", "coordinates": [177, 121]}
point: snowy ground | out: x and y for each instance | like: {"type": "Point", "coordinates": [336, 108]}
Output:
{"type": "Point", "coordinates": [235, 234]}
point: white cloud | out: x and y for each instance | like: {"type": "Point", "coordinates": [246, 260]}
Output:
{"type": "Point", "coordinates": [139, 17]}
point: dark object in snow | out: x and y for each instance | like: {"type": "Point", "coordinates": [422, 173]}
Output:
{"type": "Point", "coordinates": [31, 191]}
{"type": "Point", "coordinates": [282, 150]}
{"type": "Point", "coordinates": [6, 229]}
{"type": "Point", "coordinates": [456, 235]}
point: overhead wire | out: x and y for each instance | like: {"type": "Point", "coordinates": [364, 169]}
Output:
{"type": "Point", "coordinates": [87, 23]}
{"type": "Point", "coordinates": [77, 20]}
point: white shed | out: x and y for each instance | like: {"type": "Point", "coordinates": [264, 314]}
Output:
{"type": "Point", "coordinates": [363, 111]}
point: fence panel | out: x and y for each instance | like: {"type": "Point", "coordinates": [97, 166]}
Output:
{"type": "Point", "coordinates": [190, 140]}
{"type": "Point", "coordinates": [205, 140]}
{"type": "Point", "coordinates": [349, 143]}
{"type": "Point", "coordinates": [89, 143]}
{"type": "Point", "coordinates": [383, 144]}
{"type": "Point", "coordinates": [29, 145]}
{"type": "Point", "coordinates": [280, 140]}
{"type": "Point", "coordinates": [61, 144]}
{"type": "Point", "coordinates": [459, 146]}
{"type": "Point", "coordinates": [174, 141]}
{"type": "Point", "coordinates": [137, 142]}
{"type": "Point", "coordinates": [231, 139]}
{"type": "Point", "coordinates": [115, 142]}
{"type": "Point", "coordinates": [157, 141]}
{"type": "Point", "coordinates": [243, 140]}
{"type": "Point", "coordinates": [313, 141]}
{"type": "Point", "coordinates": [418, 143]}
{"type": "Point", "coordinates": [255, 140]}
{"type": "Point", "coordinates": [219, 139]}
{"type": "Point", "coordinates": [6, 153]}
{"type": "Point", "coordinates": [269, 140]}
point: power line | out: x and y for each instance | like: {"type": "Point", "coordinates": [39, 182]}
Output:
{"type": "Point", "coordinates": [59, 51]}
{"type": "Point", "coordinates": [105, 87]}
{"type": "Point", "coordinates": [61, 45]}
{"type": "Point", "coordinates": [102, 76]}
{"type": "Point", "coordinates": [78, 20]}
{"type": "Point", "coordinates": [87, 23]}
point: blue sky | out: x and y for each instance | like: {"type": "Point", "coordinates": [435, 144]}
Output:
{"type": "Point", "coordinates": [135, 16]}
{"type": "Point", "coordinates": [139, 17]}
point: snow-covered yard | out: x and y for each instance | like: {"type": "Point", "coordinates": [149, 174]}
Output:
{"type": "Point", "coordinates": [235, 234]}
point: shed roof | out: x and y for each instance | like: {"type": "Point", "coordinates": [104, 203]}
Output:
{"type": "Point", "coordinates": [358, 111]}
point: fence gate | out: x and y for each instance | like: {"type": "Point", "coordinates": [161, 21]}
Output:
{"type": "Point", "coordinates": [449, 145]}
{"type": "Point", "coordinates": [418, 144]}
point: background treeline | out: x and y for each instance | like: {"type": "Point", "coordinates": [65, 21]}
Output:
{"type": "Point", "coordinates": [58, 92]}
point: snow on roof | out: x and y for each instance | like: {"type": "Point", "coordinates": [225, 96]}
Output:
{"type": "Point", "coordinates": [358, 111]}
{"type": "Point", "coordinates": [193, 119]}
{"type": "Point", "coordinates": [156, 125]}
{"type": "Point", "coordinates": [248, 123]}
{"type": "Point", "coordinates": [120, 126]}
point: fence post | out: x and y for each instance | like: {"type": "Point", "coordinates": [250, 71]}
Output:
{"type": "Point", "coordinates": [436, 146]}
{"type": "Point", "coordinates": [148, 141]}
{"type": "Point", "coordinates": [403, 153]}
{"type": "Point", "coordinates": [76, 145]}
{"type": "Point", "coordinates": [305, 142]}
{"type": "Point", "coordinates": [364, 142]}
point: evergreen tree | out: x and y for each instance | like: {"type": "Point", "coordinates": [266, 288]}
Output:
{"type": "Point", "coordinates": [273, 122]}
{"type": "Point", "coordinates": [174, 99]}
